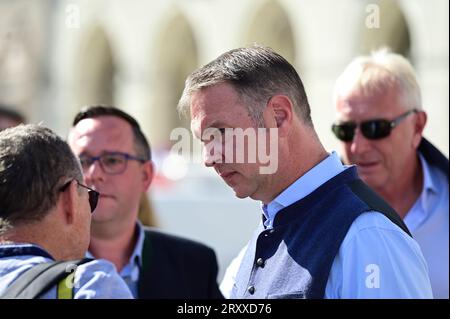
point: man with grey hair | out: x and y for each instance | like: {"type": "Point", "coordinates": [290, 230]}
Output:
{"type": "Point", "coordinates": [324, 233]}
{"type": "Point", "coordinates": [380, 122]}
{"type": "Point", "coordinates": [45, 214]}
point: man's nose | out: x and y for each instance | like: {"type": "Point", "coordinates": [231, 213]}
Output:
{"type": "Point", "coordinates": [93, 173]}
{"type": "Point", "coordinates": [360, 143]}
{"type": "Point", "coordinates": [212, 154]}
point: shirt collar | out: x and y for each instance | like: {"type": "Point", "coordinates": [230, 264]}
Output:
{"type": "Point", "coordinates": [23, 249]}
{"type": "Point", "coordinates": [428, 182]}
{"type": "Point", "coordinates": [136, 256]}
{"type": "Point", "coordinates": [305, 185]}
{"type": "Point", "coordinates": [429, 185]}
{"type": "Point", "coordinates": [421, 208]}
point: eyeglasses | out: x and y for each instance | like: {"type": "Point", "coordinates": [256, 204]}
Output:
{"type": "Point", "coordinates": [111, 163]}
{"type": "Point", "coordinates": [93, 195]}
{"type": "Point", "coordinates": [372, 129]}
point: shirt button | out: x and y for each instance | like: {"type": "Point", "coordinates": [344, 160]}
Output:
{"type": "Point", "coordinates": [260, 262]}
{"type": "Point", "coordinates": [251, 290]}
{"type": "Point", "coordinates": [268, 233]}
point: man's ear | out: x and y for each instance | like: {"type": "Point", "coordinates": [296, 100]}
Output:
{"type": "Point", "coordinates": [419, 126]}
{"type": "Point", "coordinates": [279, 114]}
{"type": "Point", "coordinates": [69, 202]}
{"type": "Point", "coordinates": [147, 174]}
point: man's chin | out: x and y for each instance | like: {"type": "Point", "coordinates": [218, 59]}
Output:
{"type": "Point", "coordinates": [241, 196]}
{"type": "Point", "coordinates": [373, 180]}
{"type": "Point", "coordinates": [240, 193]}
{"type": "Point", "coordinates": [101, 216]}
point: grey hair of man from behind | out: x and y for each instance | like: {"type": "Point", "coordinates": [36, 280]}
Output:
{"type": "Point", "coordinates": [378, 72]}
{"type": "Point", "coordinates": [257, 73]}
{"type": "Point", "coordinates": [34, 164]}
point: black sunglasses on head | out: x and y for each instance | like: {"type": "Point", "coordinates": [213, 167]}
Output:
{"type": "Point", "coordinates": [371, 129]}
{"type": "Point", "coordinates": [93, 195]}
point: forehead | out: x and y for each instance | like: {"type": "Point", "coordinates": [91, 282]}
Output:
{"type": "Point", "coordinates": [361, 106]}
{"type": "Point", "coordinates": [104, 133]}
{"type": "Point", "coordinates": [6, 122]}
{"type": "Point", "coordinates": [215, 106]}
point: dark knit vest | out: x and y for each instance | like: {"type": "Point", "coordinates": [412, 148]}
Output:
{"type": "Point", "coordinates": [294, 259]}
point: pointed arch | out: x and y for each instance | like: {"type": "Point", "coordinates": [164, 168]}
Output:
{"type": "Point", "coordinates": [271, 27]}
{"type": "Point", "coordinates": [392, 31]}
{"type": "Point", "coordinates": [95, 69]}
{"type": "Point", "coordinates": [176, 57]}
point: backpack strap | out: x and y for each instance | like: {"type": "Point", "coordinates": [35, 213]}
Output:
{"type": "Point", "coordinates": [42, 277]}
{"type": "Point", "coordinates": [64, 289]}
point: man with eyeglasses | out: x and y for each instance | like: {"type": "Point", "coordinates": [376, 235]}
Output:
{"type": "Point", "coordinates": [116, 161]}
{"type": "Point", "coordinates": [45, 215]}
{"type": "Point", "coordinates": [380, 122]}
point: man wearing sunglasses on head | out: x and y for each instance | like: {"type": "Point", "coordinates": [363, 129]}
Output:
{"type": "Point", "coordinates": [45, 217]}
{"type": "Point", "coordinates": [380, 122]}
{"type": "Point", "coordinates": [116, 161]}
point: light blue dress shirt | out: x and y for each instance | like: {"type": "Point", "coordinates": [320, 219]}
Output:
{"type": "Point", "coordinates": [305, 185]}
{"type": "Point", "coordinates": [130, 273]}
{"type": "Point", "coordinates": [428, 222]}
{"type": "Point", "coordinates": [376, 258]}
{"type": "Point", "coordinates": [95, 279]}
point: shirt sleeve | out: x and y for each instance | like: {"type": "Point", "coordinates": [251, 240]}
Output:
{"type": "Point", "coordinates": [99, 279]}
{"type": "Point", "coordinates": [378, 260]}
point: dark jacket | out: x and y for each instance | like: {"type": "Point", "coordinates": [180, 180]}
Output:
{"type": "Point", "coordinates": [177, 268]}
{"type": "Point", "coordinates": [433, 156]}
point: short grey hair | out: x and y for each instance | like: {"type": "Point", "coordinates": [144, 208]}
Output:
{"type": "Point", "coordinates": [256, 73]}
{"type": "Point", "coordinates": [34, 164]}
{"type": "Point", "coordinates": [379, 72]}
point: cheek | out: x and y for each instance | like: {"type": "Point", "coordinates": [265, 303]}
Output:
{"type": "Point", "coordinates": [387, 148]}
{"type": "Point", "coordinates": [131, 185]}
{"type": "Point", "coordinates": [346, 152]}
{"type": "Point", "coordinates": [394, 157]}
{"type": "Point", "coordinates": [252, 174]}
{"type": "Point", "coordinates": [85, 217]}
{"type": "Point", "coordinates": [87, 225]}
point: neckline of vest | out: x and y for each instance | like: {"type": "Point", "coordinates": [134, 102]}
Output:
{"type": "Point", "coordinates": [23, 250]}
{"type": "Point", "coordinates": [297, 209]}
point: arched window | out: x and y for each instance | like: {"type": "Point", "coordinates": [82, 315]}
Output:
{"type": "Point", "coordinates": [270, 27]}
{"type": "Point", "coordinates": [95, 70]}
{"type": "Point", "coordinates": [390, 30]}
{"type": "Point", "coordinates": [176, 57]}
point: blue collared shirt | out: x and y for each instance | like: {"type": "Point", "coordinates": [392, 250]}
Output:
{"type": "Point", "coordinates": [130, 273]}
{"type": "Point", "coordinates": [376, 258]}
{"type": "Point", "coordinates": [428, 222]}
{"type": "Point", "coordinates": [95, 279]}
{"type": "Point", "coordinates": [302, 187]}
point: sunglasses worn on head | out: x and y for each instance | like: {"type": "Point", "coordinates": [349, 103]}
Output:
{"type": "Point", "coordinates": [371, 129]}
{"type": "Point", "coordinates": [93, 195]}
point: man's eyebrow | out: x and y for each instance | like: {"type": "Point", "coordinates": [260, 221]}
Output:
{"type": "Point", "coordinates": [104, 152]}
{"type": "Point", "coordinates": [216, 124]}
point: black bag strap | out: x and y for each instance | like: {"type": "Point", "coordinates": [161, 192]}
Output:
{"type": "Point", "coordinates": [40, 278]}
